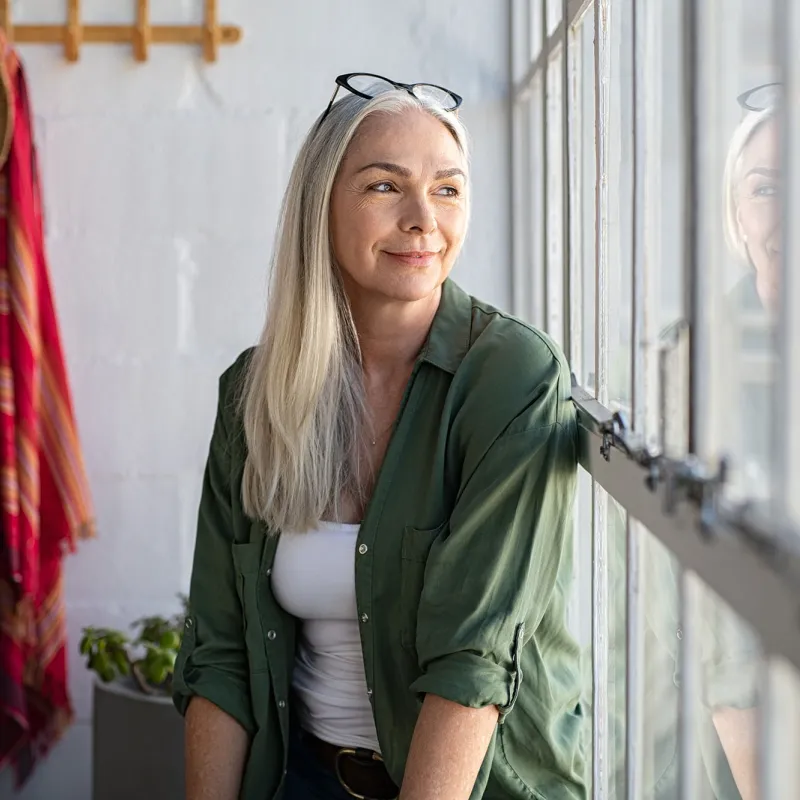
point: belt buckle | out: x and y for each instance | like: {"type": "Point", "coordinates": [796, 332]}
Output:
{"type": "Point", "coordinates": [350, 751]}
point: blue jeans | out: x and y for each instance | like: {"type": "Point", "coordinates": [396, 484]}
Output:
{"type": "Point", "coordinates": [306, 778]}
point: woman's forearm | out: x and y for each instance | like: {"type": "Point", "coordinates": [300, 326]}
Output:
{"type": "Point", "coordinates": [447, 750]}
{"type": "Point", "coordinates": [738, 733]}
{"type": "Point", "coordinates": [216, 750]}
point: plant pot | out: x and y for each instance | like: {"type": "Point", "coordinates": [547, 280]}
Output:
{"type": "Point", "coordinates": [137, 745]}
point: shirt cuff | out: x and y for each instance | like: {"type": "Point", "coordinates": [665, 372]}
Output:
{"type": "Point", "coordinates": [227, 693]}
{"type": "Point", "coordinates": [734, 684]}
{"type": "Point", "coordinates": [469, 680]}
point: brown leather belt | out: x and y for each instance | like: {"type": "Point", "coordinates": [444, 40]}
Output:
{"type": "Point", "coordinates": [361, 772]}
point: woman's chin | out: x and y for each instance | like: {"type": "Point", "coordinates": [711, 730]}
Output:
{"type": "Point", "coordinates": [769, 292]}
{"type": "Point", "coordinates": [409, 287]}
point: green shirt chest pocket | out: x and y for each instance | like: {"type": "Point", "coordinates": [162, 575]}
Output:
{"type": "Point", "coordinates": [247, 563]}
{"type": "Point", "coordinates": [416, 547]}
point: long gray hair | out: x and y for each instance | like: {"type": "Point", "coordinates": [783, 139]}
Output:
{"type": "Point", "coordinates": [303, 399]}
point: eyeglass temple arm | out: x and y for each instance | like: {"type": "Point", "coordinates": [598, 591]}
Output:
{"type": "Point", "coordinates": [330, 105]}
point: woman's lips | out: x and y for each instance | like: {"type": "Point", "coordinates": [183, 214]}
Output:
{"type": "Point", "coordinates": [414, 258]}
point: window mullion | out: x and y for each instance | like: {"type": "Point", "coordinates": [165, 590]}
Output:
{"type": "Point", "coordinates": [634, 616]}
{"type": "Point", "coordinates": [600, 615]}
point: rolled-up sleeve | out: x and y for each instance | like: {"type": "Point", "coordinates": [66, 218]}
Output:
{"type": "Point", "coordinates": [212, 661]}
{"type": "Point", "coordinates": [492, 570]}
{"type": "Point", "coordinates": [732, 661]}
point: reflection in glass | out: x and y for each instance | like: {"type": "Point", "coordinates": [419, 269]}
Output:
{"type": "Point", "coordinates": [781, 731]}
{"type": "Point", "coordinates": [739, 242]}
{"type": "Point", "coordinates": [579, 609]}
{"type": "Point", "coordinates": [555, 193]}
{"type": "Point", "coordinates": [725, 692]}
{"type": "Point", "coordinates": [609, 643]}
{"type": "Point", "coordinates": [662, 641]}
{"type": "Point", "coordinates": [731, 665]}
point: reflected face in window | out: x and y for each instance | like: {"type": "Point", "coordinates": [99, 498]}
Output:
{"type": "Point", "coordinates": [758, 208]}
{"type": "Point", "coordinates": [399, 206]}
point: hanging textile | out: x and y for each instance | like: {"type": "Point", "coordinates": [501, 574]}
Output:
{"type": "Point", "coordinates": [45, 506]}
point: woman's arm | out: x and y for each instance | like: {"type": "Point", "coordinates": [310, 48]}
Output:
{"type": "Point", "coordinates": [737, 729]}
{"type": "Point", "coordinates": [216, 749]}
{"type": "Point", "coordinates": [211, 681]}
{"type": "Point", "coordinates": [449, 744]}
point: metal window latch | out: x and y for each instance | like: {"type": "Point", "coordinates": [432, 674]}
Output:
{"type": "Point", "coordinates": [690, 478]}
{"type": "Point", "coordinates": [616, 434]}
{"type": "Point", "coordinates": [686, 478]}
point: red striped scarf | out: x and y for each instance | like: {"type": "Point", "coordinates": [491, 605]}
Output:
{"type": "Point", "coordinates": [45, 505]}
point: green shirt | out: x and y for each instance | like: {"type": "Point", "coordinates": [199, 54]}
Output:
{"type": "Point", "coordinates": [463, 566]}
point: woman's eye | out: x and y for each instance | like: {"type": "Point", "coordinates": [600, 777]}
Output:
{"type": "Point", "coordinates": [448, 191]}
{"type": "Point", "coordinates": [767, 190]}
{"type": "Point", "coordinates": [384, 187]}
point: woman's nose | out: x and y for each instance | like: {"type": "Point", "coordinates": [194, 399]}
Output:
{"type": "Point", "coordinates": [419, 216]}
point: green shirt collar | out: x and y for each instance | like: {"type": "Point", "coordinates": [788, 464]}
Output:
{"type": "Point", "coordinates": [449, 338]}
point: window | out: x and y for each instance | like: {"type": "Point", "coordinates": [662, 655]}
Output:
{"type": "Point", "coordinates": [657, 172]}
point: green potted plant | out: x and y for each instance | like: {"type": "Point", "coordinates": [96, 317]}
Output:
{"type": "Point", "coordinates": [137, 734]}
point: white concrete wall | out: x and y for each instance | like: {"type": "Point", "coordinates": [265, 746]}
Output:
{"type": "Point", "coordinates": [162, 184]}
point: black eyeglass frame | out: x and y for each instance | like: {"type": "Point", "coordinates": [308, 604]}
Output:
{"type": "Point", "coordinates": [743, 98]}
{"type": "Point", "coordinates": [343, 82]}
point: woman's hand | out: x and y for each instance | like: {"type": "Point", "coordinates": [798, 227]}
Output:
{"type": "Point", "coordinates": [449, 744]}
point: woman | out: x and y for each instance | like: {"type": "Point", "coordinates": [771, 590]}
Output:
{"type": "Point", "coordinates": [383, 553]}
{"type": "Point", "coordinates": [752, 203]}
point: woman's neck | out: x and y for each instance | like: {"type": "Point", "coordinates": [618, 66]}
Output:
{"type": "Point", "coordinates": [391, 335]}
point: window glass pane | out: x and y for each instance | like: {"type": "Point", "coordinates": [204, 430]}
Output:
{"type": "Point", "coordinates": [781, 742]}
{"type": "Point", "coordinates": [609, 640]}
{"type": "Point", "coordinates": [663, 335]}
{"type": "Point", "coordinates": [553, 15]}
{"type": "Point", "coordinates": [536, 28]}
{"type": "Point", "coordinates": [579, 611]}
{"type": "Point", "coordinates": [739, 240]}
{"type": "Point", "coordinates": [724, 689]}
{"type": "Point", "coordinates": [730, 668]}
{"type": "Point", "coordinates": [555, 194]}
{"type": "Point", "coordinates": [616, 206]}
{"type": "Point", "coordinates": [522, 199]}
{"type": "Point", "coordinates": [537, 220]}
{"type": "Point", "coordinates": [660, 581]}
{"type": "Point", "coordinates": [520, 38]}
{"type": "Point", "coordinates": [790, 329]}
{"type": "Point", "coordinates": [582, 199]}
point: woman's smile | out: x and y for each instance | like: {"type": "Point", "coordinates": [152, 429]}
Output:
{"type": "Point", "coordinates": [413, 258]}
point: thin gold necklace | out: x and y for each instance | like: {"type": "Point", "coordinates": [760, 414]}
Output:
{"type": "Point", "coordinates": [374, 441]}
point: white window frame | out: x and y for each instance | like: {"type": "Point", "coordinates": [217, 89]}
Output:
{"type": "Point", "coordinates": [728, 547]}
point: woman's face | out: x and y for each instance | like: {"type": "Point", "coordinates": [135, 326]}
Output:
{"type": "Point", "coordinates": [758, 200]}
{"type": "Point", "coordinates": [399, 207]}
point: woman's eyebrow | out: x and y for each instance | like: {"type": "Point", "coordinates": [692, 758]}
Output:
{"type": "Point", "coordinates": [767, 173]}
{"type": "Point", "coordinates": [450, 173]}
{"type": "Point", "coordinates": [396, 169]}
{"type": "Point", "coordinates": [387, 166]}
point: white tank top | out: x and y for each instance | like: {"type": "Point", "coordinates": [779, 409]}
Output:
{"type": "Point", "coordinates": [313, 578]}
